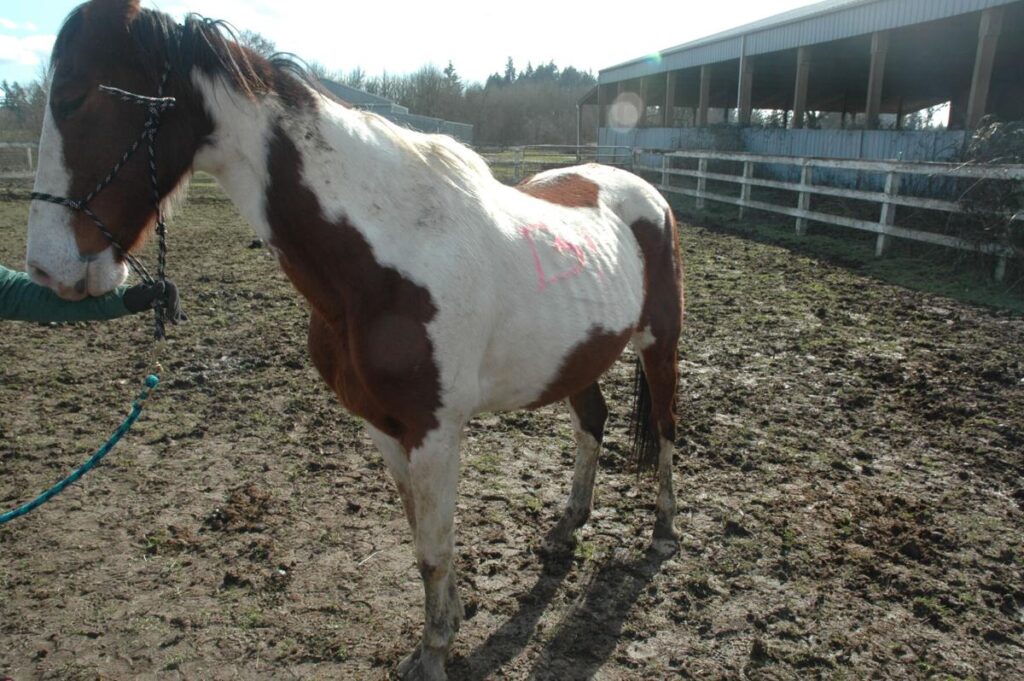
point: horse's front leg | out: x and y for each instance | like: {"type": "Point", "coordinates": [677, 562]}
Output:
{"type": "Point", "coordinates": [433, 481]}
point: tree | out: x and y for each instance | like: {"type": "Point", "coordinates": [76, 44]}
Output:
{"type": "Point", "coordinates": [22, 109]}
{"type": "Point", "coordinates": [258, 43]}
{"type": "Point", "coordinates": [453, 78]}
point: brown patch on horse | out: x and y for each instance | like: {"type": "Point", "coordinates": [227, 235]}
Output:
{"type": "Point", "coordinates": [584, 364]}
{"type": "Point", "coordinates": [662, 313]}
{"type": "Point", "coordinates": [368, 330]}
{"type": "Point", "coordinates": [571, 190]}
{"type": "Point", "coordinates": [591, 410]}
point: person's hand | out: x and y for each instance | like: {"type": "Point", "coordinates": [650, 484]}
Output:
{"type": "Point", "coordinates": [145, 296]}
{"type": "Point", "coordinates": [173, 304]}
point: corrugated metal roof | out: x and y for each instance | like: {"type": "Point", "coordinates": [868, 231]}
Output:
{"type": "Point", "coordinates": [817, 23]}
{"type": "Point", "coordinates": [360, 98]}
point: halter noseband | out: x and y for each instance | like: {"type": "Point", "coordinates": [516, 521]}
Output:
{"type": "Point", "coordinates": [155, 107]}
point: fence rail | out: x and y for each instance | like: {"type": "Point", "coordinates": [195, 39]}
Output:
{"type": "Point", "coordinates": [31, 151]}
{"type": "Point", "coordinates": [888, 199]}
{"type": "Point", "coordinates": [513, 164]}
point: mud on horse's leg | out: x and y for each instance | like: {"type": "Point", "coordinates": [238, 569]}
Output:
{"type": "Point", "coordinates": [589, 413]}
{"type": "Point", "coordinates": [434, 479]}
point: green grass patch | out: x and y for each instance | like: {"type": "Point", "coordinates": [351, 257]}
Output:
{"type": "Point", "coordinates": [932, 269]}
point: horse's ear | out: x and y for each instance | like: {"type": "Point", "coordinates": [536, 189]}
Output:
{"type": "Point", "coordinates": [112, 13]}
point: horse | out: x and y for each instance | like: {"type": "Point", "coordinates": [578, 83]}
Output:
{"type": "Point", "coordinates": [435, 291]}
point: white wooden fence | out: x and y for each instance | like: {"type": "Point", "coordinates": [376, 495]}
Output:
{"type": "Point", "coordinates": [888, 199]}
{"type": "Point", "coordinates": [11, 168]}
{"type": "Point", "coordinates": [513, 164]}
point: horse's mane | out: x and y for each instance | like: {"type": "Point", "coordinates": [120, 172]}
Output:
{"type": "Point", "coordinates": [209, 44]}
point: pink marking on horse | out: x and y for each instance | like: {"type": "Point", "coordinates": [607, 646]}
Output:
{"type": "Point", "coordinates": [561, 245]}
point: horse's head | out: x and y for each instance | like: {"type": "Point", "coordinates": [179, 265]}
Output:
{"type": "Point", "coordinates": [87, 131]}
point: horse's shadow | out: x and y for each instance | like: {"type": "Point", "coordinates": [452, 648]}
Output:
{"type": "Point", "coordinates": [585, 638]}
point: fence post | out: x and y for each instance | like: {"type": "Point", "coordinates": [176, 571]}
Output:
{"type": "Point", "coordinates": [804, 200]}
{"type": "Point", "coordinates": [664, 170]}
{"type": "Point", "coordinates": [702, 181]}
{"type": "Point", "coordinates": [517, 168]}
{"type": "Point", "coordinates": [888, 216]}
{"type": "Point", "coordinates": [28, 150]}
{"type": "Point", "coordinates": [1000, 273]}
{"type": "Point", "coordinates": [748, 172]}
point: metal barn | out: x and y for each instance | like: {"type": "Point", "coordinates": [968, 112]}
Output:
{"type": "Point", "coordinates": [870, 63]}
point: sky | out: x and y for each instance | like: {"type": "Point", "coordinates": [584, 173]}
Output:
{"type": "Point", "coordinates": [399, 37]}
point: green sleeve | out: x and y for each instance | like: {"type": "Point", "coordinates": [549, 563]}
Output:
{"type": "Point", "coordinates": [24, 300]}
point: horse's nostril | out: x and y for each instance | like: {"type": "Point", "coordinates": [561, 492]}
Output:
{"type": "Point", "coordinates": [39, 274]}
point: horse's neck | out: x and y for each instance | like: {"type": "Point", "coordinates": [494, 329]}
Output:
{"type": "Point", "coordinates": [320, 185]}
{"type": "Point", "coordinates": [338, 148]}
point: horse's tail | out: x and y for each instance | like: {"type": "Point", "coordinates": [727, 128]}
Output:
{"type": "Point", "coordinates": [642, 428]}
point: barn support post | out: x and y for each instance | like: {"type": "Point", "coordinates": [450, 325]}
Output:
{"type": "Point", "coordinates": [669, 117]}
{"type": "Point", "coordinates": [748, 173]}
{"type": "Point", "coordinates": [702, 181]}
{"type": "Point", "coordinates": [876, 77]}
{"type": "Point", "coordinates": [1000, 268]}
{"type": "Point", "coordinates": [579, 130]}
{"type": "Point", "coordinates": [602, 109]}
{"type": "Point", "coordinates": [744, 95]}
{"type": "Point", "coordinates": [804, 199]}
{"type": "Point", "coordinates": [803, 73]}
{"type": "Point", "coordinates": [642, 121]}
{"type": "Point", "coordinates": [988, 41]}
{"type": "Point", "coordinates": [888, 217]}
{"type": "Point", "coordinates": [705, 96]}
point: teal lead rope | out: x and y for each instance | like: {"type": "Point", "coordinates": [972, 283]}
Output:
{"type": "Point", "coordinates": [151, 382]}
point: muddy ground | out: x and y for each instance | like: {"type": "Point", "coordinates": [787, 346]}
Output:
{"type": "Point", "coordinates": [849, 477]}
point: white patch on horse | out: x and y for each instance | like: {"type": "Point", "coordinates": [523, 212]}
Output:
{"type": "Point", "coordinates": [237, 152]}
{"type": "Point", "coordinates": [52, 254]}
{"type": "Point", "coordinates": [643, 339]}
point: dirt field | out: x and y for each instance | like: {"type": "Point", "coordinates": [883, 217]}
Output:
{"type": "Point", "coordinates": [849, 480]}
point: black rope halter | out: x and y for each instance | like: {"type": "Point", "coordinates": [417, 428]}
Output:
{"type": "Point", "coordinates": [155, 107]}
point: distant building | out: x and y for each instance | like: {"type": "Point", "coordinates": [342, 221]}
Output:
{"type": "Point", "coordinates": [397, 113]}
{"type": "Point", "coordinates": [867, 64]}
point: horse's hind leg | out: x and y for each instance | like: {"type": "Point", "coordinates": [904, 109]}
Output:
{"type": "Point", "coordinates": [589, 413]}
{"type": "Point", "coordinates": [662, 375]}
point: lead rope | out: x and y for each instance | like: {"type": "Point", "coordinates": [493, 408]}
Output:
{"type": "Point", "coordinates": [155, 107]}
{"type": "Point", "coordinates": [151, 382]}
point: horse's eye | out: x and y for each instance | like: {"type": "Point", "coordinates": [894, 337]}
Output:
{"type": "Point", "coordinates": [68, 107]}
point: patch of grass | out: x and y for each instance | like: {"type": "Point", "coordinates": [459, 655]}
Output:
{"type": "Point", "coordinates": [252, 618]}
{"type": "Point", "coordinates": [585, 550]}
{"type": "Point", "coordinates": [932, 269]}
{"type": "Point", "coordinates": [485, 463]}
{"type": "Point", "coordinates": [176, 660]}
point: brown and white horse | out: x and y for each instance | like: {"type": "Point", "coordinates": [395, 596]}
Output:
{"type": "Point", "coordinates": [436, 292]}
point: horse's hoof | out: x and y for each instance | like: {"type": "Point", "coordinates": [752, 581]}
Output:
{"type": "Point", "coordinates": [665, 539]}
{"type": "Point", "coordinates": [557, 542]}
{"type": "Point", "coordinates": [415, 668]}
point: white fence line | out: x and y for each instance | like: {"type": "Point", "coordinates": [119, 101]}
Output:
{"type": "Point", "coordinates": [31, 150]}
{"type": "Point", "coordinates": [524, 161]}
{"type": "Point", "coordinates": [889, 199]}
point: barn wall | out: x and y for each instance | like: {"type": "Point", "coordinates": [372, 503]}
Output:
{"type": "Point", "coordinates": [910, 145]}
